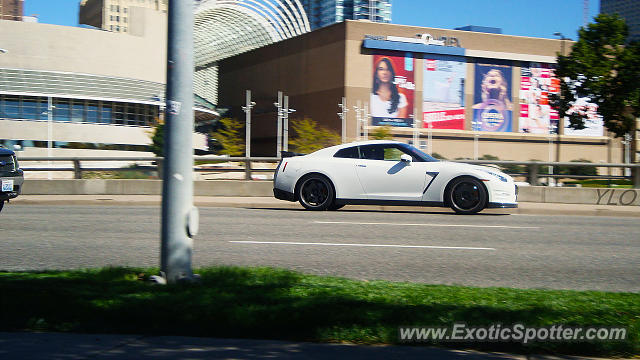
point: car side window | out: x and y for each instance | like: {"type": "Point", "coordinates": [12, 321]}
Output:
{"type": "Point", "coordinates": [387, 152]}
{"type": "Point", "coordinates": [348, 153]}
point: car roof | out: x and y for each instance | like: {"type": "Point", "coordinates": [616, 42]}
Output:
{"type": "Point", "coordinates": [6, 152]}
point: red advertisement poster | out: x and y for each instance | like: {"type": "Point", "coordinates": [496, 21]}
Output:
{"type": "Point", "coordinates": [393, 89]}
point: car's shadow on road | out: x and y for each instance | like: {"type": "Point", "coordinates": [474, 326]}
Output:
{"type": "Point", "coordinates": [403, 211]}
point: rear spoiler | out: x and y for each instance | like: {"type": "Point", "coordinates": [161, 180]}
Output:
{"type": "Point", "coordinates": [287, 154]}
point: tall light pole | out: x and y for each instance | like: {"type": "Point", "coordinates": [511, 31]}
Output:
{"type": "Point", "coordinates": [179, 216]}
{"type": "Point", "coordinates": [343, 118]}
{"type": "Point", "coordinates": [247, 110]}
{"type": "Point", "coordinates": [49, 132]}
{"type": "Point", "coordinates": [563, 40]}
{"type": "Point", "coordinates": [279, 107]}
{"type": "Point", "coordinates": [365, 120]}
{"type": "Point", "coordinates": [358, 108]}
{"type": "Point", "coordinates": [285, 112]}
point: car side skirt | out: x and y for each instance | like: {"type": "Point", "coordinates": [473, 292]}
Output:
{"type": "Point", "coordinates": [390, 202]}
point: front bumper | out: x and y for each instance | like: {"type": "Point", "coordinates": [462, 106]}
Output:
{"type": "Point", "coordinates": [283, 195]}
{"type": "Point", "coordinates": [495, 205]}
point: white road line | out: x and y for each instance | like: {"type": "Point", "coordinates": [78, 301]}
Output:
{"type": "Point", "coordinates": [424, 224]}
{"type": "Point", "coordinates": [362, 245]}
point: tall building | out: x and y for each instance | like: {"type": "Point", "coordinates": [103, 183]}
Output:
{"type": "Point", "coordinates": [628, 10]}
{"type": "Point", "coordinates": [113, 15]}
{"type": "Point", "coordinates": [11, 9]}
{"type": "Point", "coordinates": [326, 12]}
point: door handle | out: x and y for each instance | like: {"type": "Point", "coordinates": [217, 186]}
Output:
{"type": "Point", "coordinates": [360, 165]}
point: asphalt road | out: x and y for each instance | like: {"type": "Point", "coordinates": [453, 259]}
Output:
{"type": "Point", "coordinates": [521, 251]}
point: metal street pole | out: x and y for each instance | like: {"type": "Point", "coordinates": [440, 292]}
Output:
{"type": "Point", "coordinates": [429, 139]}
{"type": "Point", "coordinates": [286, 112]}
{"type": "Point", "coordinates": [343, 117]}
{"type": "Point", "coordinates": [416, 130]}
{"type": "Point", "coordinates": [49, 132]}
{"type": "Point", "coordinates": [357, 108]}
{"type": "Point", "coordinates": [365, 120]}
{"type": "Point", "coordinates": [179, 216]}
{"type": "Point", "coordinates": [279, 131]}
{"type": "Point", "coordinates": [247, 110]}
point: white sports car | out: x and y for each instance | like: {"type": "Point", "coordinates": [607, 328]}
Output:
{"type": "Point", "coordinates": [385, 172]}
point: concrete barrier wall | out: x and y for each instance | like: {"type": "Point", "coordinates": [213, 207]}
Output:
{"type": "Point", "coordinates": [541, 194]}
{"type": "Point", "coordinates": [143, 187]}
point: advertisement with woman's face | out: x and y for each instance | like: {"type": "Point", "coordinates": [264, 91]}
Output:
{"type": "Point", "coordinates": [492, 109]}
{"type": "Point", "coordinates": [393, 88]}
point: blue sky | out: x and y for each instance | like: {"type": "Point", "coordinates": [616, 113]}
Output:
{"type": "Point", "coordinates": [537, 18]}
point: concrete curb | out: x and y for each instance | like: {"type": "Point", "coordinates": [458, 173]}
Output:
{"type": "Point", "coordinates": [525, 208]}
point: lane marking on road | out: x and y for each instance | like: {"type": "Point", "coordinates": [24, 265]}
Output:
{"type": "Point", "coordinates": [425, 224]}
{"type": "Point", "coordinates": [363, 245]}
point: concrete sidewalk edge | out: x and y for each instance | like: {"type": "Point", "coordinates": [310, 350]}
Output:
{"type": "Point", "coordinates": [524, 208]}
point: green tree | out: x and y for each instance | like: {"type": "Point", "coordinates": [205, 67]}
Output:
{"type": "Point", "coordinates": [382, 133]}
{"type": "Point", "coordinates": [605, 69]}
{"type": "Point", "coordinates": [309, 137]}
{"type": "Point", "coordinates": [577, 170]}
{"type": "Point", "coordinates": [230, 137]}
{"type": "Point", "coordinates": [157, 140]}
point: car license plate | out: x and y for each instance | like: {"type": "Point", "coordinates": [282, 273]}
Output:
{"type": "Point", "coordinates": [7, 185]}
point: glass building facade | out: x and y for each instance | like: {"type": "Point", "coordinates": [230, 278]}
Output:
{"type": "Point", "coordinates": [628, 10]}
{"type": "Point", "coordinates": [36, 108]}
{"type": "Point", "coordinates": [326, 12]}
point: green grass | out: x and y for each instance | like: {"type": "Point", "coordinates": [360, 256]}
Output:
{"type": "Point", "coordinates": [623, 184]}
{"type": "Point", "coordinates": [279, 304]}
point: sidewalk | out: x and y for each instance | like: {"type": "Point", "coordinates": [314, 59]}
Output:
{"type": "Point", "coordinates": [90, 346]}
{"type": "Point", "coordinates": [524, 208]}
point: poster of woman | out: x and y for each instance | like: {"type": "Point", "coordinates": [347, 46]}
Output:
{"type": "Point", "coordinates": [492, 98]}
{"type": "Point", "coordinates": [392, 91]}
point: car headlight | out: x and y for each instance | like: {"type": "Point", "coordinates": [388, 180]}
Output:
{"type": "Point", "coordinates": [502, 178]}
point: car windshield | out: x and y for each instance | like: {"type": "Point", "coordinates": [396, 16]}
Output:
{"type": "Point", "coordinates": [417, 153]}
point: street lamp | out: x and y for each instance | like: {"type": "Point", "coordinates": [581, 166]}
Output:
{"type": "Point", "coordinates": [560, 121]}
{"type": "Point", "coordinates": [343, 118]}
{"type": "Point", "coordinates": [247, 110]}
{"type": "Point", "coordinates": [286, 111]}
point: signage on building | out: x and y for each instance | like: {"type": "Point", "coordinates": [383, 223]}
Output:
{"type": "Point", "coordinates": [426, 39]}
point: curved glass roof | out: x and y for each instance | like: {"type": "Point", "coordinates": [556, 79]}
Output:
{"type": "Point", "coordinates": [224, 28]}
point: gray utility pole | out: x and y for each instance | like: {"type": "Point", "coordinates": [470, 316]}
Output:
{"type": "Point", "coordinates": [358, 108]}
{"type": "Point", "coordinates": [279, 131]}
{"type": "Point", "coordinates": [343, 117]}
{"type": "Point", "coordinates": [247, 110]}
{"type": "Point", "coordinates": [365, 121]}
{"type": "Point", "coordinates": [179, 216]}
{"type": "Point", "coordinates": [286, 112]}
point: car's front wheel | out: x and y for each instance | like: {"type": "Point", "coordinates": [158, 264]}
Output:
{"type": "Point", "coordinates": [467, 195]}
{"type": "Point", "coordinates": [315, 192]}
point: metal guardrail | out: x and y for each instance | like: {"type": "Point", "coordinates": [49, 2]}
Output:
{"type": "Point", "coordinates": [533, 167]}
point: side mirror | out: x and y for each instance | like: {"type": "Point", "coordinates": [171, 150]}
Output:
{"type": "Point", "coordinates": [406, 158]}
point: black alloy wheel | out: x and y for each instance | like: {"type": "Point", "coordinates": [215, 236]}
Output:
{"type": "Point", "coordinates": [316, 193]}
{"type": "Point", "coordinates": [467, 195]}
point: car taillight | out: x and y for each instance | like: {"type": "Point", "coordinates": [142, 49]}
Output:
{"type": "Point", "coordinates": [285, 166]}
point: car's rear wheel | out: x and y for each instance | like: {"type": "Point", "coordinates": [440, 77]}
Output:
{"type": "Point", "coordinates": [467, 195]}
{"type": "Point", "coordinates": [315, 192]}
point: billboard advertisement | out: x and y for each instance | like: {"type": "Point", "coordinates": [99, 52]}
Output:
{"type": "Point", "coordinates": [492, 109]}
{"type": "Point", "coordinates": [536, 83]}
{"type": "Point", "coordinates": [393, 89]}
{"type": "Point", "coordinates": [594, 124]}
{"type": "Point", "coordinates": [443, 92]}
